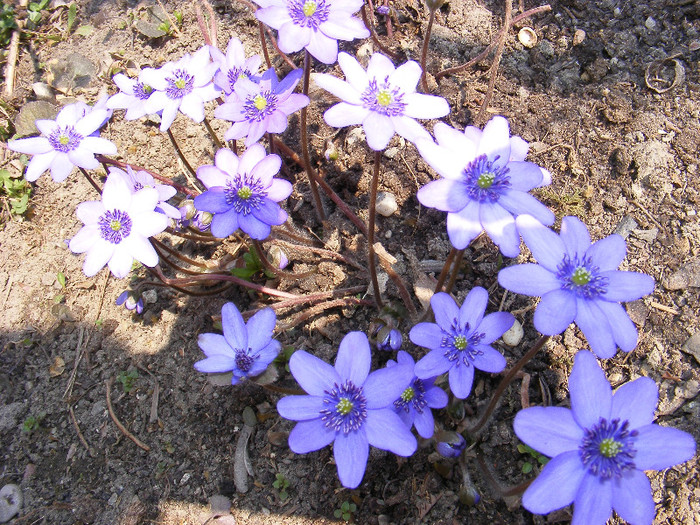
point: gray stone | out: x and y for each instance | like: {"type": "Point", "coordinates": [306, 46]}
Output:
{"type": "Point", "coordinates": [10, 415]}
{"type": "Point", "coordinates": [30, 113]}
{"type": "Point", "coordinates": [219, 505]}
{"type": "Point", "coordinates": [626, 225]}
{"type": "Point", "coordinates": [692, 346]}
{"type": "Point", "coordinates": [686, 276]}
{"type": "Point", "coordinates": [646, 235]}
{"type": "Point", "coordinates": [10, 502]}
{"type": "Point", "coordinates": [71, 73]}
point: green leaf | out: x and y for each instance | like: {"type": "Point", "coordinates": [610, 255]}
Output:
{"type": "Point", "coordinates": [61, 278]}
{"type": "Point", "coordinates": [527, 468]}
{"type": "Point", "coordinates": [84, 30]}
{"type": "Point", "coordinates": [72, 12]}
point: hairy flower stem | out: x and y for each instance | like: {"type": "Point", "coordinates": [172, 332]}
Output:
{"type": "Point", "coordinates": [192, 236]}
{"type": "Point", "coordinates": [212, 133]}
{"type": "Point", "coordinates": [455, 271]}
{"type": "Point", "coordinates": [310, 172]}
{"type": "Point", "coordinates": [317, 309]}
{"type": "Point", "coordinates": [161, 178]}
{"type": "Point", "coordinates": [504, 384]}
{"type": "Point", "coordinates": [370, 229]}
{"type": "Point", "coordinates": [91, 180]}
{"type": "Point", "coordinates": [161, 246]}
{"type": "Point", "coordinates": [496, 61]}
{"type": "Point", "coordinates": [257, 245]}
{"type": "Point", "coordinates": [282, 390]}
{"type": "Point", "coordinates": [180, 154]}
{"type": "Point", "coordinates": [502, 491]}
{"type": "Point", "coordinates": [263, 43]}
{"type": "Point", "coordinates": [375, 38]}
{"type": "Point", "coordinates": [424, 51]}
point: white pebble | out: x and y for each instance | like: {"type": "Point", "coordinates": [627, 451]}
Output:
{"type": "Point", "coordinates": [513, 335]}
{"type": "Point", "coordinates": [386, 204]}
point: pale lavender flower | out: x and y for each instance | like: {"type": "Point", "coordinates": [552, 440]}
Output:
{"type": "Point", "coordinates": [233, 66]}
{"type": "Point", "coordinates": [485, 183]}
{"type": "Point", "coordinates": [243, 193]}
{"type": "Point", "coordinates": [117, 229]}
{"type": "Point", "coordinates": [600, 448]}
{"type": "Point", "coordinates": [347, 406]}
{"type": "Point", "coordinates": [316, 25]}
{"type": "Point", "coordinates": [459, 340]}
{"type": "Point", "coordinates": [130, 302]}
{"type": "Point", "coordinates": [142, 179]}
{"type": "Point", "coordinates": [261, 107]}
{"type": "Point", "coordinates": [183, 86]}
{"type": "Point", "coordinates": [134, 95]}
{"type": "Point", "coordinates": [415, 403]}
{"type": "Point", "coordinates": [578, 283]}
{"type": "Point", "coordinates": [383, 99]}
{"type": "Point", "coordinates": [245, 349]}
{"type": "Point", "coordinates": [66, 142]}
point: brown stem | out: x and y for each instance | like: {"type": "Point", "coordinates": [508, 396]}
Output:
{"type": "Point", "coordinates": [320, 251]}
{"type": "Point", "coordinates": [455, 271]}
{"type": "Point", "coordinates": [277, 271]}
{"type": "Point", "coordinates": [282, 390]}
{"type": "Point", "coordinates": [370, 229]}
{"type": "Point", "coordinates": [314, 297]}
{"type": "Point", "coordinates": [191, 236]}
{"type": "Point", "coordinates": [375, 38]}
{"type": "Point", "coordinates": [445, 270]}
{"type": "Point", "coordinates": [505, 382]}
{"type": "Point", "coordinates": [121, 427]}
{"type": "Point", "coordinates": [264, 45]}
{"type": "Point", "coordinates": [503, 492]}
{"type": "Point", "coordinates": [424, 51]}
{"type": "Point", "coordinates": [496, 61]}
{"type": "Point", "coordinates": [311, 173]}
{"type": "Point", "coordinates": [178, 255]}
{"type": "Point", "coordinates": [212, 133]}
{"type": "Point", "coordinates": [180, 154]}
{"type": "Point", "coordinates": [317, 309]}
{"type": "Point", "coordinates": [91, 180]}
{"type": "Point", "coordinates": [166, 180]}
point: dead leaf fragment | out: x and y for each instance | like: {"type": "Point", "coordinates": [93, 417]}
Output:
{"type": "Point", "coordinates": [57, 367]}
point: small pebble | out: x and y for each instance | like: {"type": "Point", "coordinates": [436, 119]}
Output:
{"type": "Point", "coordinates": [386, 204]}
{"type": "Point", "coordinates": [150, 296]}
{"type": "Point", "coordinates": [513, 335]}
{"type": "Point", "coordinates": [10, 502]}
{"type": "Point", "coordinates": [579, 37]}
{"type": "Point", "coordinates": [390, 153]}
{"type": "Point", "coordinates": [650, 23]}
{"type": "Point", "coordinates": [527, 37]}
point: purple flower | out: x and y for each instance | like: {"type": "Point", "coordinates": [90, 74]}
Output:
{"type": "Point", "coordinates": [450, 444]}
{"type": "Point", "coordinates": [578, 282]}
{"type": "Point", "coordinates": [134, 95]}
{"type": "Point", "coordinates": [383, 99]}
{"type": "Point", "coordinates": [389, 339]}
{"type": "Point", "coordinates": [459, 340]}
{"type": "Point", "coordinates": [485, 183]}
{"type": "Point", "coordinates": [66, 142]}
{"type": "Point", "coordinates": [415, 402]}
{"type": "Point", "coordinates": [261, 107]}
{"type": "Point", "coordinates": [117, 228]}
{"type": "Point", "coordinates": [142, 179]}
{"type": "Point", "coordinates": [233, 66]}
{"type": "Point", "coordinates": [316, 25]}
{"type": "Point", "coordinates": [600, 448]}
{"type": "Point", "coordinates": [130, 302]}
{"type": "Point", "coordinates": [347, 406]}
{"type": "Point", "coordinates": [243, 193]}
{"type": "Point", "coordinates": [183, 86]}
{"type": "Point", "coordinates": [244, 349]}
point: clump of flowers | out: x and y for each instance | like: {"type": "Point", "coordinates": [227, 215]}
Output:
{"type": "Point", "coordinates": [459, 340]}
{"type": "Point", "coordinates": [245, 349]}
{"type": "Point", "coordinates": [578, 282]}
{"type": "Point", "coordinates": [347, 406]}
{"type": "Point", "coordinates": [66, 142]}
{"type": "Point", "coordinates": [137, 180]}
{"type": "Point", "coordinates": [233, 65]}
{"type": "Point", "coordinates": [485, 183]}
{"type": "Point", "coordinates": [134, 95]}
{"type": "Point", "coordinates": [600, 448]}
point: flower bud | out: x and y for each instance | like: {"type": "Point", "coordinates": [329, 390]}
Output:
{"type": "Point", "coordinates": [434, 4]}
{"type": "Point", "coordinates": [468, 495]}
{"type": "Point", "coordinates": [450, 444]}
{"type": "Point", "coordinates": [389, 339]}
{"type": "Point", "coordinates": [187, 209]}
{"type": "Point", "coordinates": [202, 220]}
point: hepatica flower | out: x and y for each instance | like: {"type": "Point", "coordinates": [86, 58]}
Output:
{"type": "Point", "coordinates": [347, 406]}
{"type": "Point", "coordinates": [117, 228]}
{"type": "Point", "coordinates": [261, 107]}
{"type": "Point", "coordinates": [484, 185]}
{"type": "Point", "coordinates": [578, 282]}
{"type": "Point", "coordinates": [233, 66]}
{"type": "Point", "coordinates": [134, 95]}
{"type": "Point", "coordinates": [244, 349]}
{"type": "Point", "coordinates": [137, 180]}
{"type": "Point", "coordinates": [243, 193]}
{"type": "Point", "coordinates": [383, 99]}
{"type": "Point", "coordinates": [316, 25]}
{"type": "Point", "coordinates": [415, 403]}
{"type": "Point", "coordinates": [183, 86]}
{"type": "Point", "coordinates": [600, 448]}
{"type": "Point", "coordinates": [459, 340]}
{"type": "Point", "coordinates": [66, 142]}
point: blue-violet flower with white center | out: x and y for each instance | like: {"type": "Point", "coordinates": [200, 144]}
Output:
{"type": "Point", "coordinates": [256, 108]}
{"type": "Point", "coordinates": [183, 86]}
{"type": "Point", "coordinates": [117, 228]}
{"type": "Point", "coordinates": [415, 403]}
{"type": "Point", "coordinates": [243, 193]}
{"type": "Point", "coordinates": [459, 340]}
{"type": "Point", "coordinates": [233, 66]}
{"type": "Point", "coordinates": [484, 185]}
{"type": "Point", "coordinates": [66, 142]}
{"type": "Point", "coordinates": [383, 99]}
{"type": "Point", "coordinates": [600, 448]}
{"type": "Point", "coordinates": [347, 406]}
{"type": "Point", "coordinates": [245, 349]}
{"type": "Point", "coordinates": [142, 179]}
{"type": "Point", "coordinates": [316, 25]}
{"type": "Point", "coordinates": [133, 96]}
{"type": "Point", "coordinates": [578, 283]}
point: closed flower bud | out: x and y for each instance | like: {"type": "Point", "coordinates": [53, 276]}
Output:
{"type": "Point", "coordinates": [450, 444]}
{"type": "Point", "coordinates": [187, 209]}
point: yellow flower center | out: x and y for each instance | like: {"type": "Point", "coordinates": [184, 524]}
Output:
{"type": "Point", "coordinates": [485, 180]}
{"type": "Point", "coordinates": [610, 448]}
{"type": "Point", "coordinates": [309, 8]}
{"type": "Point", "coordinates": [581, 276]}
{"type": "Point", "coordinates": [245, 193]}
{"type": "Point", "coordinates": [344, 407]}
{"type": "Point", "coordinates": [115, 225]}
{"type": "Point", "coordinates": [180, 83]}
{"type": "Point", "coordinates": [408, 394]}
{"type": "Point", "coordinates": [384, 98]}
{"type": "Point", "coordinates": [63, 139]}
{"type": "Point", "coordinates": [460, 342]}
{"type": "Point", "coordinates": [149, 89]}
{"type": "Point", "coordinates": [260, 102]}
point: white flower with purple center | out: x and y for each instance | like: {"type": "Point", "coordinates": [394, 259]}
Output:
{"type": "Point", "coordinates": [316, 25]}
{"type": "Point", "coordinates": [415, 403]}
{"type": "Point", "coordinates": [134, 95]}
{"type": "Point", "coordinates": [261, 107]}
{"type": "Point", "coordinates": [460, 340]}
{"type": "Point", "coordinates": [243, 193]}
{"type": "Point", "coordinates": [485, 183]}
{"type": "Point", "coordinates": [183, 86]}
{"type": "Point", "coordinates": [117, 228]}
{"type": "Point", "coordinates": [347, 406]}
{"type": "Point", "coordinates": [600, 448]}
{"type": "Point", "coordinates": [246, 350]}
{"type": "Point", "coordinates": [66, 142]}
{"type": "Point", "coordinates": [233, 66]}
{"type": "Point", "coordinates": [383, 99]}
{"type": "Point", "coordinates": [142, 179]}
{"type": "Point", "coordinates": [578, 283]}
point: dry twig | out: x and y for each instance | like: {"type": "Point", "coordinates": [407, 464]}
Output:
{"type": "Point", "coordinates": [121, 427]}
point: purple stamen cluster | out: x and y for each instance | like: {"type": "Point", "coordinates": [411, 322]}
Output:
{"type": "Point", "coordinates": [142, 91]}
{"type": "Point", "coordinates": [383, 98]}
{"type": "Point", "coordinates": [180, 84]}
{"type": "Point", "coordinates": [115, 226]}
{"type": "Point", "coordinates": [244, 361]}
{"type": "Point", "coordinates": [460, 345]}
{"type": "Point", "coordinates": [607, 449]}
{"type": "Point", "coordinates": [245, 193]}
{"type": "Point", "coordinates": [308, 13]}
{"type": "Point", "coordinates": [347, 408]}
{"type": "Point", "coordinates": [260, 106]}
{"type": "Point", "coordinates": [581, 276]}
{"type": "Point", "coordinates": [65, 139]}
{"type": "Point", "coordinates": [413, 396]}
{"type": "Point", "coordinates": [485, 180]}
{"type": "Point", "coordinates": [236, 73]}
